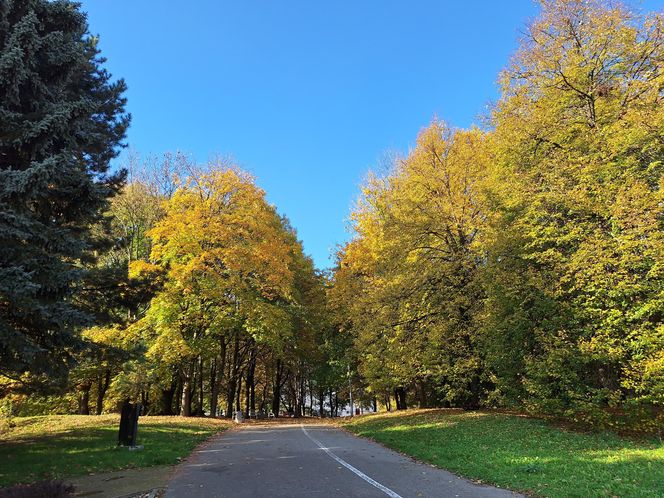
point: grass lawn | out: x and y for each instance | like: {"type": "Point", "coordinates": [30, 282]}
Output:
{"type": "Point", "coordinates": [57, 446]}
{"type": "Point", "coordinates": [522, 454]}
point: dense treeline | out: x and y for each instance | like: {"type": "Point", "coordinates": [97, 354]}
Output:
{"type": "Point", "coordinates": [519, 265]}
{"type": "Point", "coordinates": [238, 316]}
{"type": "Point", "coordinates": [522, 265]}
{"type": "Point", "coordinates": [205, 304]}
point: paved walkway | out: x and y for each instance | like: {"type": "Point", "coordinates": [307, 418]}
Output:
{"type": "Point", "coordinates": [311, 460]}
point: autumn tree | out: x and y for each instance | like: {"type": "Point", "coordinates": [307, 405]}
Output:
{"type": "Point", "coordinates": [410, 276]}
{"type": "Point", "coordinates": [231, 264]}
{"type": "Point", "coordinates": [578, 252]}
{"type": "Point", "coordinates": [110, 362]}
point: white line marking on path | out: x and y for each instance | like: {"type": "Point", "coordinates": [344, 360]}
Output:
{"type": "Point", "coordinates": [355, 471]}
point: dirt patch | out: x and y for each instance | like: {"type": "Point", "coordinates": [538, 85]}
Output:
{"type": "Point", "coordinates": [150, 481]}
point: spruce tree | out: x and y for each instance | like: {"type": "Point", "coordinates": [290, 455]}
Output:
{"type": "Point", "coordinates": [62, 120]}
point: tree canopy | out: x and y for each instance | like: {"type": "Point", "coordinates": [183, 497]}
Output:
{"type": "Point", "coordinates": [520, 265]}
{"type": "Point", "coordinates": [515, 265]}
{"type": "Point", "coordinates": [62, 121]}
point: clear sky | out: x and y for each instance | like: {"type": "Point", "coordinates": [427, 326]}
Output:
{"type": "Point", "coordinates": [307, 95]}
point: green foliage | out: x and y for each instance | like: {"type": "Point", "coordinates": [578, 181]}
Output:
{"type": "Point", "coordinates": [575, 280]}
{"type": "Point", "coordinates": [21, 405]}
{"type": "Point", "coordinates": [238, 294]}
{"type": "Point", "coordinates": [408, 285]}
{"type": "Point", "coordinates": [522, 266]}
{"type": "Point", "coordinates": [519, 266]}
{"type": "Point", "coordinates": [63, 120]}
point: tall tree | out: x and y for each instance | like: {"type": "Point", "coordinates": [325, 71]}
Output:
{"type": "Point", "coordinates": [228, 256]}
{"type": "Point", "coordinates": [410, 278]}
{"type": "Point", "coordinates": [577, 280]}
{"type": "Point", "coordinates": [62, 120]}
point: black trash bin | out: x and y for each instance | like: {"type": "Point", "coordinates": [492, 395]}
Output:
{"type": "Point", "coordinates": [129, 423]}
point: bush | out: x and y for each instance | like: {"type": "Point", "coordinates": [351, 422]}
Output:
{"type": "Point", "coordinates": [6, 414]}
{"type": "Point", "coordinates": [42, 489]}
{"type": "Point", "coordinates": [28, 406]}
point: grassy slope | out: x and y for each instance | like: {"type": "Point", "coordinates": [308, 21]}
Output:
{"type": "Point", "coordinates": [522, 453]}
{"type": "Point", "coordinates": [68, 445]}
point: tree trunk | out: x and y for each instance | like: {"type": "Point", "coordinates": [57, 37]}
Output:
{"type": "Point", "coordinates": [311, 398]}
{"type": "Point", "coordinates": [252, 400]}
{"type": "Point", "coordinates": [303, 397]}
{"type": "Point", "coordinates": [216, 376]}
{"type": "Point", "coordinates": [238, 399]}
{"type": "Point", "coordinates": [247, 393]}
{"type": "Point", "coordinates": [102, 387]}
{"type": "Point", "coordinates": [321, 402]}
{"type": "Point", "coordinates": [201, 392]}
{"type": "Point", "coordinates": [263, 407]}
{"type": "Point", "coordinates": [232, 378]}
{"type": "Point", "coordinates": [194, 389]}
{"type": "Point", "coordinates": [276, 391]}
{"type": "Point", "coordinates": [84, 399]}
{"type": "Point", "coordinates": [145, 400]}
{"type": "Point", "coordinates": [185, 409]}
{"type": "Point", "coordinates": [214, 394]}
{"type": "Point", "coordinates": [421, 394]}
{"type": "Point", "coordinates": [167, 397]}
{"type": "Point", "coordinates": [400, 396]}
{"type": "Point", "coordinates": [178, 394]}
{"type": "Point", "coordinates": [297, 397]}
{"type": "Point", "coordinates": [250, 396]}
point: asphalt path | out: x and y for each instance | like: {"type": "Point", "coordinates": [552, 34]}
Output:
{"type": "Point", "coordinates": [311, 461]}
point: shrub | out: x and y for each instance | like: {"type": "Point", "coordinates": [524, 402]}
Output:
{"type": "Point", "coordinates": [42, 489]}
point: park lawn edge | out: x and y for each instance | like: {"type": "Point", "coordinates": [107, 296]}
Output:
{"type": "Point", "coordinates": [167, 441]}
{"type": "Point", "coordinates": [343, 425]}
{"type": "Point", "coordinates": [640, 441]}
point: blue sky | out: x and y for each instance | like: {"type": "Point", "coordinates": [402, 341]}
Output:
{"type": "Point", "coordinates": [306, 95]}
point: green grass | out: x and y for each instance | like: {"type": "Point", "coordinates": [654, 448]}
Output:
{"type": "Point", "coordinates": [53, 447]}
{"type": "Point", "coordinates": [521, 453]}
